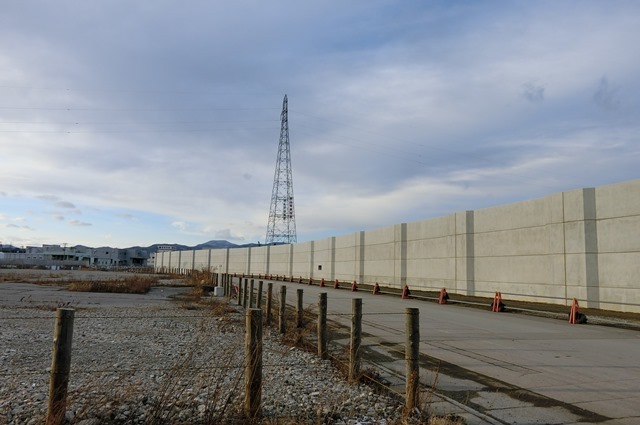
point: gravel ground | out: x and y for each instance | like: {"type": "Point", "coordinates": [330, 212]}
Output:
{"type": "Point", "coordinates": [170, 365]}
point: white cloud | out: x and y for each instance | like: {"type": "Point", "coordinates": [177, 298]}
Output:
{"type": "Point", "coordinates": [395, 114]}
{"type": "Point", "coordinates": [180, 225]}
{"type": "Point", "coordinates": [79, 223]}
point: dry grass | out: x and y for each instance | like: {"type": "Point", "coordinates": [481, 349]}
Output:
{"type": "Point", "coordinates": [132, 285]}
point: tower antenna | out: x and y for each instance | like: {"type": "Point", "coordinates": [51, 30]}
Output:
{"type": "Point", "coordinates": [282, 213]}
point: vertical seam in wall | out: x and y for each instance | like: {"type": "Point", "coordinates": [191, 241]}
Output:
{"type": "Point", "coordinates": [226, 261]}
{"type": "Point", "coordinates": [209, 261]}
{"type": "Point", "coordinates": [291, 260]}
{"type": "Point", "coordinates": [332, 275]}
{"type": "Point", "coordinates": [268, 265]}
{"type": "Point", "coordinates": [248, 261]}
{"type": "Point", "coordinates": [471, 261]}
{"type": "Point", "coordinates": [591, 247]}
{"type": "Point", "coordinates": [455, 251]}
{"type": "Point", "coordinates": [193, 260]}
{"type": "Point", "coordinates": [403, 254]}
{"type": "Point", "coordinates": [311, 259]}
{"type": "Point", "coordinates": [564, 251]}
{"type": "Point", "coordinates": [361, 271]}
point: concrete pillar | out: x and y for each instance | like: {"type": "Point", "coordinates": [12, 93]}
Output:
{"type": "Point", "coordinates": [465, 253]}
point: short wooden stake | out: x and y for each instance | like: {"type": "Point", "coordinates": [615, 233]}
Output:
{"type": "Point", "coordinates": [259, 301]}
{"type": "Point", "coordinates": [283, 307]}
{"type": "Point", "coordinates": [251, 295]}
{"type": "Point", "coordinates": [245, 293]}
{"type": "Point", "coordinates": [356, 339]}
{"type": "Point", "coordinates": [60, 366]}
{"type": "Point", "coordinates": [253, 368]}
{"type": "Point", "coordinates": [412, 357]}
{"type": "Point", "coordinates": [299, 308]}
{"type": "Point", "coordinates": [323, 351]}
{"type": "Point", "coordinates": [269, 301]}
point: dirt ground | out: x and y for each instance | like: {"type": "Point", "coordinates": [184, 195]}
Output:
{"type": "Point", "coordinates": [46, 289]}
{"type": "Point", "coordinates": [602, 317]}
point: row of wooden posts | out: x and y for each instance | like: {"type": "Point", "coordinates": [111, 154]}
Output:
{"type": "Point", "coordinates": [63, 337]}
{"type": "Point", "coordinates": [253, 368]}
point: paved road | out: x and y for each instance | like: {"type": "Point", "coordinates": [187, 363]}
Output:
{"type": "Point", "coordinates": [515, 368]}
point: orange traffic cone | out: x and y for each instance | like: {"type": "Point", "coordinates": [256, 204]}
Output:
{"type": "Point", "coordinates": [376, 289]}
{"type": "Point", "coordinates": [354, 286]}
{"type": "Point", "coordinates": [336, 285]}
{"type": "Point", "coordinates": [406, 293]}
{"type": "Point", "coordinates": [444, 297]}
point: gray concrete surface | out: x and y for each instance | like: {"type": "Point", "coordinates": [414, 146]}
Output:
{"type": "Point", "coordinates": [582, 244]}
{"type": "Point", "coordinates": [511, 367]}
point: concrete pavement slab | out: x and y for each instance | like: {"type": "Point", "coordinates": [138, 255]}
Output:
{"type": "Point", "coordinates": [547, 358]}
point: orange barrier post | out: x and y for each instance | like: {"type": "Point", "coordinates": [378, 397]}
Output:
{"type": "Point", "coordinates": [354, 286]}
{"type": "Point", "coordinates": [322, 282]}
{"type": "Point", "coordinates": [376, 289]}
{"type": "Point", "coordinates": [573, 312]}
{"type": "Point", "coordinates": [300, 279]}
{"type": "Point", "coordinates": [291, 278]}
{"type": "Point", "coordinates": [310, 281]}
{"type": "Point", "coordinates": [497, 305]}
{"type": "Point", "coordinates": [336, 285]}
{"type": "Point", "coordinates": [575, 317]}
{"type": "Point", "coordinates": [406, 293]}
{"type": "Point", "coordinates": [444, 297]}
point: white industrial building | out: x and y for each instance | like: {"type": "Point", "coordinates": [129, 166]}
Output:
{"type": "Point", "coordinates": [76, 256]}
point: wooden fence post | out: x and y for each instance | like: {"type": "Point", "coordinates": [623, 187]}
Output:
{"type": "Point", "coordinates": [251, 295]}
{"type": "Point", "coordinates": [356, 339]}
{"type": "Point", "coordinates": [412, 357]}
{"type": "Point", "coordinates": [269, 301]}
{"type": "Point", "coordinates": [245, 292]}
{"type": "Point", "coordinates": [60, 366]}
{"type": "Point", "coordinates": [259, 301]}
{"type": "Point", "coordinates": [253, 368]}
{"type": "Point", "coordinates": [239, 290]}
{"type": "Point", "coordinates": [323, 352]}
{"type": "Point", "coordinates": [283, 306]}
{"type": "Point", "coordinates": [299, 309]}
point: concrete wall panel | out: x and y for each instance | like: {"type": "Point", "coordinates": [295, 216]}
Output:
{"type": "Point", "coordinates": [619, 235]}
{"type": "Point", "coordinates": [280, 260]}
{"type": "Point", "coordinates": [618, 200]}
{"type": "Point", "coordinates": [302, 258]}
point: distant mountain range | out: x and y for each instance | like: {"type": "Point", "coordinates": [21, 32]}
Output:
{"type": "Point", "coordinates": [213, 244]}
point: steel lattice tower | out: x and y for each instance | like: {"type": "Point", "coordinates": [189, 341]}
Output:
{"type": "Point", "coordinates": [282, 213]}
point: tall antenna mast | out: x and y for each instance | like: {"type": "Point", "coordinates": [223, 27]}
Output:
{"type": "Point", "coordinates": [282, 214]}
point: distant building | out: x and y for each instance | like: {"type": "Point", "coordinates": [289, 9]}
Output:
{"type": "Point", "coordinates": [76, 256]}
{"type": "Point", "coordinates": [151, 261]}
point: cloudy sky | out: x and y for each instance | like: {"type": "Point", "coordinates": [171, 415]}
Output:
{"type": "Point", "coordinates": [130, 123]}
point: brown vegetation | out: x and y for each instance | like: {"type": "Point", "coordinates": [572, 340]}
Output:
{"type": "Point", "coordinates": [133, 285]}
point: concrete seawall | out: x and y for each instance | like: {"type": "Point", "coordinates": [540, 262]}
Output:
{"type": "Point", "coordinates": [582, 244]}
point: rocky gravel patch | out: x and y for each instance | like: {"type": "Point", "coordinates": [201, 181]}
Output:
{"type": "Point", "coordinates": [171, 365]}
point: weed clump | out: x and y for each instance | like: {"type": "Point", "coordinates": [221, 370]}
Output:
{"type": "Point", "coordinates": [131, 285]}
